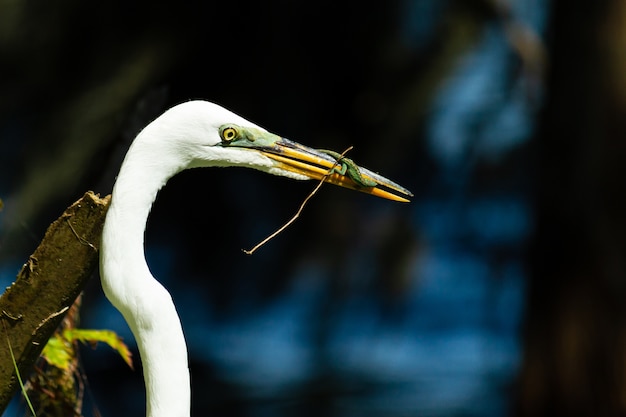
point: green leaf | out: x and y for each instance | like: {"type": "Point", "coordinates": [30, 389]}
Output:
{"type": "Point", "coordinates": [58, 352]}
{"type": "Point", "coordinates": [92, 337]}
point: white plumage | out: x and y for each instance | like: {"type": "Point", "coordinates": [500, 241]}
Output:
{"type": "Point", "coordinates": [186, 136]}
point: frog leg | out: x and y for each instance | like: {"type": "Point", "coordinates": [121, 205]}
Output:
{"type": "Point", "coordinates": [340, 167]}
{"type": "Point", "coordinates": [349, 168]}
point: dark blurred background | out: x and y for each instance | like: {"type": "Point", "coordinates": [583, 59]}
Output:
{"type": "Point", "coordinates": [499, 291]}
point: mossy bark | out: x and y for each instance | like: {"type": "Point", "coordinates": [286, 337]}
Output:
{"type": "Point", "coordinates": [49, 282]}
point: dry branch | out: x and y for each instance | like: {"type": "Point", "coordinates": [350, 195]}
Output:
{"type": "Point", "coordinates": [49, 282]}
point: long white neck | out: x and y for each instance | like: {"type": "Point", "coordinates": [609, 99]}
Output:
{"type": "Point", "coordinates": [128, 284]}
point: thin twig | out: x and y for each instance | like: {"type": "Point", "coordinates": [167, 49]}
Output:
{"type": "Point", "coordinates": [50, 317]}
{"type": "Point", "coordinates": [295, 216]}
{"type": "Point", "coordinates": [80, 239]}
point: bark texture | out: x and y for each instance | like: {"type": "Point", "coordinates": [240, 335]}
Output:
{"type": "Point", "coordinates": [49, 282]}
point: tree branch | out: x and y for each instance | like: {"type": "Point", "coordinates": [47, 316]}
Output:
{"type": "Point", "coordinates": [49, 282]}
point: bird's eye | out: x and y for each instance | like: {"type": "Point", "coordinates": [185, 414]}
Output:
{"type": "Point", "coordinates": [228, 133]}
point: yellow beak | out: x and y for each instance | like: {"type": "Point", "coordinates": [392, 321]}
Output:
{"type": "Point", "coordinates": [314, 164]}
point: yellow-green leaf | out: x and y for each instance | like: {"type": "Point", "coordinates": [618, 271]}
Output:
{"type": "Point", "coordinates": [105, 336]}
{"type": "Point", "coordinates": [58, 352]}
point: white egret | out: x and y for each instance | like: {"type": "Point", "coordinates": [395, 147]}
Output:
{"type": "Point", "coordinates": [190, 135]}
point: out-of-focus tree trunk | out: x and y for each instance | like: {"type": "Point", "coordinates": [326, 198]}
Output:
{"type": "Point", "coordinates": [575, 348]}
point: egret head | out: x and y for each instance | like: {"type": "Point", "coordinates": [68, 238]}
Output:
{"type": "Point", "coordinates": [193, 134]}
{"type": "Point", "coordinates": [203, 134]}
